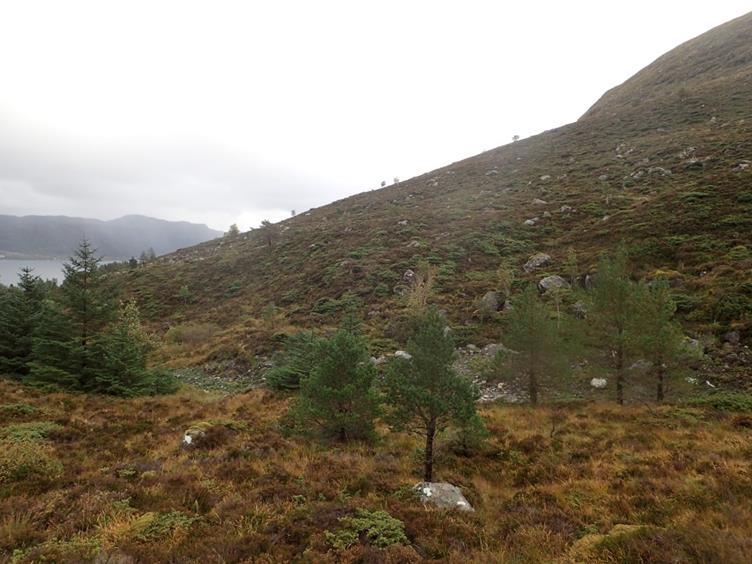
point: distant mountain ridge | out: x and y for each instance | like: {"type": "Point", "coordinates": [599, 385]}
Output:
{"type": "Point", "coordinates": [57, 236]}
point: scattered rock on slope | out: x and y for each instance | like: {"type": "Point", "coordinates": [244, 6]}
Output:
{"type": "Point", "coordinates": [443, 495]}
{"type": "Point", "coordinates": [538, 260]}
{"type": "Point", "coordinates": [492, 301]}
{"type": "Point", "coordinates": [552, 283]}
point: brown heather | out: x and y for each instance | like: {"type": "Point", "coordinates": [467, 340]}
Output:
{"type": "Point", "coordinates": [676, 479]}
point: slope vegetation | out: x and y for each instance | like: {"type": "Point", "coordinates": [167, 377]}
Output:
{"type": "Point", "coordinates": [660, 163]}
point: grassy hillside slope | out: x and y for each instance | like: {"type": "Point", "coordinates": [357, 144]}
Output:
{"type": "Point", "coordinates": [661, 163]}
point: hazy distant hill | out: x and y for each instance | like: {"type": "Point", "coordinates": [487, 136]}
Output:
{"type": "Point", "coordinates": [57, 236]}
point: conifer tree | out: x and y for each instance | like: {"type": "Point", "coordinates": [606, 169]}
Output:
{"type": "Point", "coordinates": [121, 352]}
{"type": "Point", "coordinates": [612, 314]}
{"type": "Point", "coordinates": [52, 361]}
{"type": "Point", "coordinates": [19, 307]}
{"type": "Point", "coordinates": [424, 391]}
{"type": "Point", "coordinates": [538, 339]}
{"type": "Point", "coordinates": [296, 361]}
{"type": "Point", "coordinates": [338, 398]}
{"type": "Point", "coordinates": [660, 339]}
{"type": "Point", "coordinates": [87, 307]}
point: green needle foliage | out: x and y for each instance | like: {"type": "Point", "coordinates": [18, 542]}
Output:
{"type": "Point", "coordinates": [612, 316]}
{"type": "Point", "coordinates": [72, 344]}
{"type": "Point", "coordinates": [537, 337]}
{"type": "Point", "coordinates": [121, 351]}
{"type": "Point", "coordinates": [660, 339]}
{"type": "Point", "coordinates": [52, 364]}
{"type": "Point", "coordinates": [337, 398]}
{"type": "Point", "coordinates": [424, 392]}
{"type": "Point", "coordinates": [295, 362]}
{"type": "Point", "coordinates": [19, 308]}
{"type": "Point", "coordinates": [87, 307]}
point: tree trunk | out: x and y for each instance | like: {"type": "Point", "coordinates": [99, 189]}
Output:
{"type": "Point", "coordinates": [533, 387]}
{"type": "Point", "coordinates": [428, 463]}
{"type": "Point", "coordinates": [660, 392]}
{"type": "Point", "coordinates": [620, 376]}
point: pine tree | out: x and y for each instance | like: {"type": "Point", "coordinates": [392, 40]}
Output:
{"type": "Point", "coordinates": [87, 307]}
{"type": "Point", "coordinates": [425, 394]}
{"type": "Point", "coordinates": [612, 314]}
{"type": "Point", "coordinates": [19, 307]}
{"type": "Point", "coordinates": [338, 398]}
{"type": "Point", "coordinates": [538, 339]}
{"type": "Point", "coordinates": [296, 361]}
{"type": "Point", "coordinates": [660, 338]}
{"type": "Point", "coordinates": [52, 361]}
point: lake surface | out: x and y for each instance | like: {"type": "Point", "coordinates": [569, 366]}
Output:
{"type": "Point", "coordinates": [44, 268]}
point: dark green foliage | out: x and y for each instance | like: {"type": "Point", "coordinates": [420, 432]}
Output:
{"type": "Point", "coordinates": [723, 401]}
{"type": "Point", "coordinates": [52, 364]}
{"type": "Point", "coordinates": [424, 392]}
{"type": "Point", "coordinates": [659, 338]}
{"type": "Point", "coordinates": [376, 528]}
{"type": "Point", "coordinates": [121, 353]}
{"type": "Point", "coordinates": [538, 338]}
{"type": "Point", "coordinates": [19, 308]}
{"type": "Point", "coordinates": [78, 348]}
{"type": "Point", "coordinates": [612, 314]}
{"type": "Point", "coordinates": [88, 310]}
{"type": "Point", "coordinates": [337, 398]}
{"type": "Point", "coordinates": [295, 362]}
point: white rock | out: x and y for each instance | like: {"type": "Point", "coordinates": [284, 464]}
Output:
{"type": "Point", "coordinates": [598, 383]}
{"type": "Point", "coordinates": [443, 495]}
{"type": "Point", "coordinates": [403, 354]}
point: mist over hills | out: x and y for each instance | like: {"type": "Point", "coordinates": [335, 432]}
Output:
{"type": "Point", "coordinates": [57, 236]}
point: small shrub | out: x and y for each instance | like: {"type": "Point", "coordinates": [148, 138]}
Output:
{"type": "Point", "coordinates": [18, 409]}
{"type": "Point", "coordinates": [723, 401]}
{"type": "Point", "coordinates": [20, 460]}
{"type": "Point", "coordinates": [233, 289]}
{"type": "Point", "coordinates": [376, 528]}
{"type": "Point", "coordinates": [191, 333]}
{"type": "Point", "coordinates": [155, 526]}
{"type": "Point", "coordinates": [28, 432]}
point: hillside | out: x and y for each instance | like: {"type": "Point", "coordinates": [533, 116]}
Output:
{"type": "Point", "coordinates": [660, 163]}
{"type": "Point", "coordinates": [58, 236]}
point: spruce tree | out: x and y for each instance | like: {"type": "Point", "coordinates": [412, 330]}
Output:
{"type": "Point", "coordinates": [612, 314]}
{"type": "Point", "coordinates": [338, 398]}
{"type": "Point", "coordinates": [87, 307]}
{"type": "Point", "coordinates": [425, 393]}
{"type": "Point", "coordinates": [538, 339]}
{"type": "Point", "coordinates": [52, 361]}
{"type": "Point", "coordinates": [19, 307]}
{"type": "Point", "coordinates": [122, 351]}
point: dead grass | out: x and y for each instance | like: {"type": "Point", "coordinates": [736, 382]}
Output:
{"type": "Point", "coordinates": [679, 476]}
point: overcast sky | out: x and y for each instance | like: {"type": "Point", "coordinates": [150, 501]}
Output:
{"type": "Point", "coordinates": [220, 112]}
